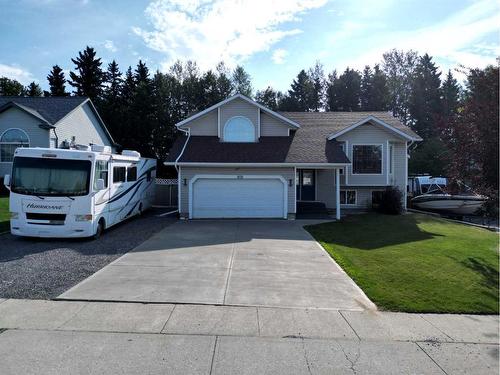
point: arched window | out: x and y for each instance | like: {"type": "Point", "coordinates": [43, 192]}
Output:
{"type": "Point", "coordinates": [239, 129]}
{"type": "Point", "coordinates": [10, 140]}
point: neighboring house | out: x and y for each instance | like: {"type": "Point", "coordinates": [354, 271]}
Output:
{"type": "Point", "coordinates": [47, 122]}
{"type": "Point", "coordinates": [239, 159]}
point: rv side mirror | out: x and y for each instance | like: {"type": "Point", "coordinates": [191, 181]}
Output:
{"type": "Point", "coordinates": [99, 184]}
{"type": "Point", "coordinates": [6, 180]}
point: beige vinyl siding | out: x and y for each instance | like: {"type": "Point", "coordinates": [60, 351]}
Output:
{"type": "Point", "coordinates": [204, 125]}
{"type": "Point", "coordinates": [83, 124]}
{"type": "Point", "coordinates": [368, 135]}
{"type": "Point", "coordinates": [189, 172]}
{"type": "Point", "coordinates": [16, 118]}
{"type": "Point", "coordinates": [238, 107]}
{"type": "Point", "coordinates": [270, 126]}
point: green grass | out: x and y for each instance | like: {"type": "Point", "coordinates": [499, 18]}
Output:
{"type": "Point", "coordinates": [4, 214]}
{"type": "Point", "coordinates": [416, 263]}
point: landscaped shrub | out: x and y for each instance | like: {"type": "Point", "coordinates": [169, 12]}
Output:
{"type": "Point", "coordinates": [391, 201]}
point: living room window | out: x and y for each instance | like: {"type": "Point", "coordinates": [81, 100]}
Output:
{"type": "Point", "coordinates": [367, 159]}
{"type": "Point", "coordinates": [239, 129]}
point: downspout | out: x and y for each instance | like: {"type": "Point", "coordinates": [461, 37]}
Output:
{"type": "Point", "coordinates": [188, 132]}
{"type": "Point", "coordinates": [57, 138]}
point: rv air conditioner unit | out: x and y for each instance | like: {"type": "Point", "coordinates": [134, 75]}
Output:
{"type": "Point", "coordinates": [102, 149]}
{"type": "Point", "coordinates": [132, 153]}
{"type": "Point", "coordinates": [82, 147]}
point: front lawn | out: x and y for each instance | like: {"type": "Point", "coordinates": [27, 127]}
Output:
{"type": "Point", "coordinates": [4, 214]}
{"type": "Point", "coordinates": [416, 263]}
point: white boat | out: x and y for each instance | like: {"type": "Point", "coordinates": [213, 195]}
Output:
{"type": "Point", "coordinates": [449, 203]}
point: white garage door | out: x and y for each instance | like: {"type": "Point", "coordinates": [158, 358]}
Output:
{"type": "Point", "coordinates": [238, 198]}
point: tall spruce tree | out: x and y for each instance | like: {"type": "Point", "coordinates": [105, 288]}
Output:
{"type": "Point", "coordinates": [450, 91]}
{"type": "Point", "coordinates": [143, 110]}
{"type": "Point", "coordinates": [299, 95]}
{"type": "Point", "coordinates": [366, 89]}
{"type": "Point", "coordinates": [224, 84]}
{"type": "Point", "coordinates": [89, 77]}
{"type": "Point", "coordinates": [111, 108]}
{"type": "Point", "coordinates": [34, 89]}
{"type": "Point", "coordinates": [380, 92]}
{"type": "Point", "coordinates": [425, 98]}
{"type": "Point", "coordinates": [57, 81]}
{"type": "Point", "coordinates": [344, 91]}
{"type": "Point", "coordinates": [399, 68]}
{"type": "Point", "coordinates": [241, 82]}
{"type": "Point", "coordinates": [317, 77]}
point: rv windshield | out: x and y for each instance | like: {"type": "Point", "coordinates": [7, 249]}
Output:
{"type": "Point", "coordinates": [50, 177]}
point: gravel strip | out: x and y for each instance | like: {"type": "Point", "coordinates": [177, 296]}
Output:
{"type": "Point", "coordinates": [45, 268]}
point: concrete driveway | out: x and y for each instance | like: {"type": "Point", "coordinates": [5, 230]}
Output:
{"type": "Point", "coordinates": [246, 263]}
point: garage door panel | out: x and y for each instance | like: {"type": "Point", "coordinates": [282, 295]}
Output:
{"type": "Point", "coordinates": [238, 198]}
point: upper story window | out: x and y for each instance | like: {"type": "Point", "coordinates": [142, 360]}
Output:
{"type": "Point", "coordinates": [9, 141]}
{"type": "Point", "coordinates": [367, 159]}
{"type": "Point", "coordinates": [239, 129]}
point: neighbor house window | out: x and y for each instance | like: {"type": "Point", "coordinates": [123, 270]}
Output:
{"type": "Point", "coordinates": [348, 197]}
{"type": "Point", "coordinates": [239, 129]}
{"type": "Point", "coordinates": [367, 159]}
{"type": "Point", "coordinates": [118, 174]}
{"type": "Point", "coordinates": [9, 141]}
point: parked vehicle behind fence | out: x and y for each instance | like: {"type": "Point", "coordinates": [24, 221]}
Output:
{"type": "Point", "coordinates": [77, 192]}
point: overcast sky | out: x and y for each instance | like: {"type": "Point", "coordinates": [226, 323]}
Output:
{"type": "Point", "coordinates": [272, 39]}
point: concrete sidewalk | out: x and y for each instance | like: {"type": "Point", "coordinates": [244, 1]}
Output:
{"type": "Point", "coordinates": [61, 337]}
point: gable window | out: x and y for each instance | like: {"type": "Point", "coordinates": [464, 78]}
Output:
{"type": "Point", "coordinates": [9, 141]}
{"type": "Point", "coordinates": [367, 159]}
{"type": "Point", "coordinates": [239, 129]}
{"type": "Point", "coordinates": [348, 197]}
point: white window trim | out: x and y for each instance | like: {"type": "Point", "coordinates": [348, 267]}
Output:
{"type": "Point", "coordinates": [236, 177]}
{"type": "Point", "coordinates": [235, 117]}
{"type": "Point", "coordinates": [13, 143]}
{"type": "Point", "coordinates": [355, 198]}
{"type": "Point", "coordinates": [382, 164]}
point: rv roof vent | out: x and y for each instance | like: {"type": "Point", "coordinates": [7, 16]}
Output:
{"type": "Point", "coordinates": [102, 149]}
{"type": "Point", "coordinates": [82, 147]}
{"type": "Point", "coordinates": [131, 153]}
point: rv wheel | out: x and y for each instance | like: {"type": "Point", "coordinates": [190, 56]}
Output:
{"type": "Point", "coordinates": [99, 230]}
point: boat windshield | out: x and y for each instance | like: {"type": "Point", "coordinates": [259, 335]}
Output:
{"type": "Point", "coordinates": [432, 188]}
{"type": "Point", "coordinates": [50, 177]}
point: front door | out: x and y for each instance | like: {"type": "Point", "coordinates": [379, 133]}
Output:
{"type": "Point", "coordinates": [306, 185]}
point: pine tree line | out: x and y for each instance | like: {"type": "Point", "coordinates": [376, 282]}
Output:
{"type": "Point", "coordinates": [140, 108]}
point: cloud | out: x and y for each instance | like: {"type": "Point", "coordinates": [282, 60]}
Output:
{"type": "Point", "coordinates": [209, 31]}
{"type": "Point", "coordinates": [279, 55]}
{"type": "Point", "coordinates": [110, 46]}
{"type": "Point", "coordinates": [17, 73]}
{"type": "Point", "coordinates": [455, 40]}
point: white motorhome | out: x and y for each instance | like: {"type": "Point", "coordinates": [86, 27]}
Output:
{"type": "Point", "coordinates": [77, 192]}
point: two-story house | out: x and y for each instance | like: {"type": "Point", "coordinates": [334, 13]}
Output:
{"type": "Point", "coordinates": [239, 159]}
{"type": "Point", "coordinates": [47, 122]}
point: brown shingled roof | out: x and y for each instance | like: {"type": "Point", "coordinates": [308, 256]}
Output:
{"type": "Point", "coordinates": [308, 144]}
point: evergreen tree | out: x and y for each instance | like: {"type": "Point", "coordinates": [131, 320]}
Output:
{"type": "Point", "coordinates": [268, 98]}
{"type": "Point", "coordinates": [380, 92]}
{"type": "Point", "coordinates": [344, 92]}
{"type": "Point", "coordinates": [89, 77]}
{"type": "Point", "coordinates": [224, 84]}
{"type": "Point", "coordinates": [331, 91]}
{"type": "Point", "coordinates": [399, 67]}
{"type": "Point", "coordinates": [425, 98]}
{"type": "Point", "coordinates": [10, 87]}
{"type": "Point", "coordinates": [366, 89]}
{"type": "Point", "coordinates": [110, 108]}
{"type": "Point", "coordinates": [299, 95]}
{"type": "Point", "coordinates": [374, 92]}
{"type": "Point", "coordinates": [57, 82]}
{"type": "Point", "coordinates": [208, 83]}
{"type": "Point", "coordinates": [317, 77]}
{"type": "Point", "coordinates": [450, 91]}
{"type": "Point", "coordinates": [241, 82]}
{"type": "Point", "coordinates": [33, 89]}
